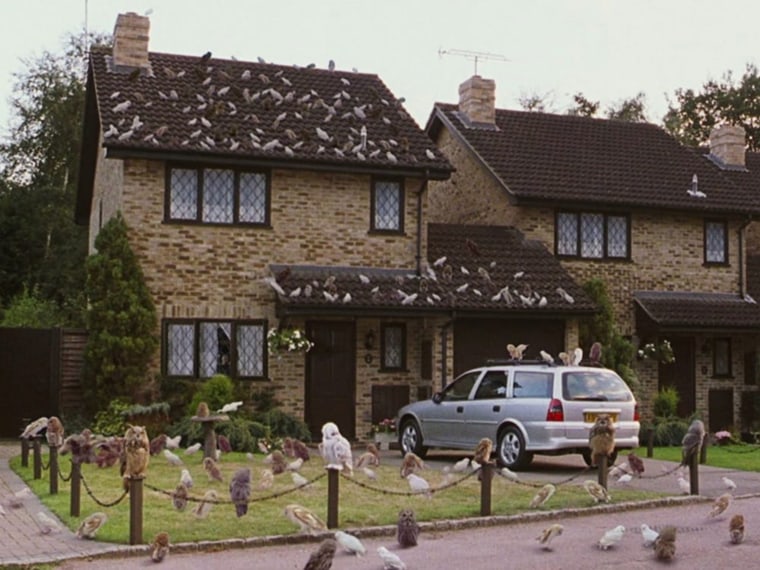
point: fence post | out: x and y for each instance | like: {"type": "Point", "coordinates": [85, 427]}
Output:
{"type": "Point", "coordinates": [136, 510]}
{"type": "Point", "coordinates": [602, 468]}
{"type": "Point", "coordinates": [24, 452]}
{"type": "Point", "coordinates": [37, 458]}
{"type": "Point", "coordinates": [76, 488]}
{"type": "Point", "coordinates": [333, 478]}
{"type": "Point", "coordinates": [53, 465]}
{"type": "Point", "coordinates": [486, 476]}
{"type": "Point", "coordinates": [694, 474]}
{"type": "Point", "coordinates": [650, 442]}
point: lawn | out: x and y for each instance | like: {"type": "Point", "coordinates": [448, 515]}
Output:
{"type": "Point", "coordinates": [359, 506]}
{"type": "Point", "coordinates": [741, 457]}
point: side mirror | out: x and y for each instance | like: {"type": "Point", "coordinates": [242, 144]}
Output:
{"type": "Point", "coordinates": [438, 397]}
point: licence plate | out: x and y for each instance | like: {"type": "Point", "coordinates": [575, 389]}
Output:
{"type": "Point", "coordinates": [590, 417]}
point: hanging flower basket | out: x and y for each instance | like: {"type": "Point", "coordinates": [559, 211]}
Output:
{"type": "Point", "coordinates": [661, 352]}
{"type": "Point", "coordinates": [287, 340]}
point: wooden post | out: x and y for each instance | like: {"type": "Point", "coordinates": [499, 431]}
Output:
{"type": "Point", "coordinates": [694, 474]}
{"type": "Point", "coordinates": [37, 458]}
{"type": "Point", "coordinates": [135, 510]}
{"type": "Point", "coordinates": [76, 488]}
{"type": "Point", "coordinates": [486, 475]}
{"type": "Point", "coordinates": [53, 464]}
{"type": "Point", "coordinates": [24, 452]}
{"type": "Point", "coordinates": [602, 467]}
{"type": "Point", "coordinates": [333, 478]}
{"type": "Point", "coordinates": [650, 442]}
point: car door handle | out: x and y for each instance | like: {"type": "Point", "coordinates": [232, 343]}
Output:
{"type": "Point", "coordinates": [496, 408]}
{"type": "Point", "coordinates": [460, 409]}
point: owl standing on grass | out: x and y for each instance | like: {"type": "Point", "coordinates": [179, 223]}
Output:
{"type": "Point", "coordinates": [407, 529]}
{"type": "Point", "coordinates": [601, 438]}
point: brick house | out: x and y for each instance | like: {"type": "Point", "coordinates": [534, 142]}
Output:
{"type": "Point", "coordinates": [262, 196]}
{"type": "Point", "coordinates": [664, 226]}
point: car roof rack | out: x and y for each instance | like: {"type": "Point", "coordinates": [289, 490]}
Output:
{"type": "Point", "coordinates": [513, 361]}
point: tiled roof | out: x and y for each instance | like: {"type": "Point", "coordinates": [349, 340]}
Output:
{"type": "Point", "coordinates": [575, 161]}
{"type": "Point", "coordinates": [699, 310]}
{"type": "Point", "coordinates": [258, 111]}
{"type": "Point", "coordinates": [473, 268]}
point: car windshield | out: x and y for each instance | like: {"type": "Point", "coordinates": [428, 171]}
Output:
{"type": "Point", "coordinates": [594, 386]}
{"type": "Point", "coordinates": [461, 387]}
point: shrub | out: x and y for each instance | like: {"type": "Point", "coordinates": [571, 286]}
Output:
{"type": "Point", "coordinates": [240, 433]}
{"type": "Point", "coordinates": [216, 391]}
{"type": "Point", "coordinates": [154, 417]}
{"type": "Point", "coordinates": [111, 421]}
{"type": "Point", "coordinates": [670, 431]}
{"type": "Point", "coordinates": [284, 425]}
{"type": "Point", "coordinates": [665, 403]}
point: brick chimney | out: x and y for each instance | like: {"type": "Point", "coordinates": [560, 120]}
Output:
{"type": "Point", "coordinates": [477, 100]}
{"type": "Point", "coordinates": [130, 41]}
{"type": "Point", "coordinates": [727, 145]}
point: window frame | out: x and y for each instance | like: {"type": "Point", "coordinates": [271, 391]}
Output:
{"type": "Point", "coordinates": [384, 367]}
{"type": "Point", "coordinates": [200, 180]}
{"type": "Point", "coordinates": [196, 367]}
{"type": "Point", "coordinates": [606, 215]}
{"type": "Point", "coordinates": [727, 372]}
{"type": "Point", "coordinates": [724, 225]}
{"type": "Point", "coordinates": [372, 205]}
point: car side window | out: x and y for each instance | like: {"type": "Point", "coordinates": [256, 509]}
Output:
{"type": "Point", "coordinates": [461, 387]}
{"type": "Point", "coordinates": [493, 385]}
{"type": "Point", "coordinates": [532, 384]}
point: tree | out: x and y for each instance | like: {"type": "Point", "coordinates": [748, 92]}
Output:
{"type": "Point", "coordinates": [583, 107]}
{"type": "Point", "coordinates": [121, 320]}
{"type": "Point", "coordinates": [42, 249]}
{"type": "Point", "coordinates": [631, 110]}
{"type": "Point", "coordinates": [535, 102]}
{"type": "Point", "coordinates": [29, 310]}
{"type": "Point", "coordinates": [691, 116]}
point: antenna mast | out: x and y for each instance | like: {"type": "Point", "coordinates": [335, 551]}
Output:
{"type": "Point", "coordinates": [473, 55]}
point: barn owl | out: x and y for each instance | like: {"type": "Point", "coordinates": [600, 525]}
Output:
{"type": "Point", "coordinates": [203, 508]}
{"type": "Point", "coordinates": [544, 494]}
{"type": "Point", "coordinates": [212, 469]}
{"type": "Point", "coordinates": [335, 449]}
{"type": "Point", "coordinates": [34, 428]}
{"type": "Point", "coordinates": [720, 505]}
{"type": "Point", "coordinates": [597, 492]}
{"type": "Point", "coordinates": [91, 525]}
{"type": "Point", "coordinates": [304, 518]}
{"type": "Point", "coordinates": [411, 464]}
{"type": "Point", "coordinates": [407, 529]}
{"type": "Point", "coordinates": [601, 438]}
{"type": "Point", "coordinates": [548, 534]}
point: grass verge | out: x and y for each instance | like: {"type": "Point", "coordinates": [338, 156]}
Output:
{"type": "Point", "coordinates": [737, 457]}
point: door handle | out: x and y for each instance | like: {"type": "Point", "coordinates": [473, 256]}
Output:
{"type": "Point", "coordinates": [496, 408]}
{"type": "Point", "coordinates": [460, 409]}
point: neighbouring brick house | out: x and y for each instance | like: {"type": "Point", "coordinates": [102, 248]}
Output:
{"type": "Point", "coordinates": [260, 196]}
{"type": "Point", "coordinates": [664, 226]}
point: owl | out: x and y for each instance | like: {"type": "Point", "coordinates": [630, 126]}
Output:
{"type": "Point", "coordinates": [636, 464]}
{"type": "Point", "coordinates": [611, 537]}
{"type": "Point", "coordinates": [691, 443]}
{"type": "Point", "coordinates": [179, 497]}
{"type": "Point", "coordinates": [548, 534]}
{"type": "Point", "coordinates": [91, 525]}
{"type": "Point", "coordinates": [483, 451]}
{"type": "Point", "coordinates": [202, 411]}
{"type": "Point", "coordinates": [137, 450]}
{"type": "Point", "coordinates": [212, 469]}
{"type": "Point", "coordinates": [224, 443]}
{"type": "Point", "coordinates": [34, 428]}
{"type": "Point", "coordinates": [304, 518]}
{"type": "Point", "coordinates": [665, 544]}
{"type": "Point", "coordinates": [279, 464]}
{"type": "Point", "coordinates": [736, 529]}
{"type": "Point", "coordinates": [407, 529]}
{"type": "Point", "coordinates": [203, 508]}
{"type": "Point", "coordinates": [544, 494]}
{"type": "Point", "coordinates": [350, 543]}
{"type": "Point", "coordinates": [322, 558]}
{"type": "Point", "coordinates": [335, 449]}
{"type": "Point", "coordinates": [390, 560]}
{"type": "Point", "coordinates": [54, 432]}
{"type": "Point", "coordinates": [158, 444]}
{"type": "Point", "coordinates": [601, 438]}
{"type": "Point", "coordinates": [411, 464]}
{"type": "Point", "coordinates": [240, 490]}
{"type": "Point", "coordinates": [267, 479]}
{"type": "Point", "coordinates": [720, 505]}
{"type": "Point", "coordinates": [597, 492]}
{"type": "Point", "coordinates": [160, 547]}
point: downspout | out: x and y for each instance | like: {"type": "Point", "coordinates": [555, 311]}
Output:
{"type": "Point", "coordinates": [742, 257]}
{"type": "Point", "coordinates": [444, 352]}
{"type": "Point", "coordinates": [418, 257]}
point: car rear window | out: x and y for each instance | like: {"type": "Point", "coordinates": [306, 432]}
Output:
{"type": "Point", "coordinates": [532, 384]}
{"type": "Point", "coordinates": [594, 386]}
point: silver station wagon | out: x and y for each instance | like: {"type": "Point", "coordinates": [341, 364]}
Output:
{"type": "Point", "coordinates": [524, 408]}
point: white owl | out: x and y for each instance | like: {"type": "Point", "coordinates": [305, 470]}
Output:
{"type": "Point", "coordinates": [335, 449]}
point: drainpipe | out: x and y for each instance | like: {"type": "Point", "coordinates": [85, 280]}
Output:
{"type": "Point", "coordinates": [742, 257]}
{"type": "Point", "coordinates": [418, 258]}
{"type": "Point", "coordinates": [444, 352]}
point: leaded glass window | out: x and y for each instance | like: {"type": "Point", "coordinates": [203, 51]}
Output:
{"type": "Point", "coordinates": [567, 234]}
{"type": "Point", "coordinates": [218, 196]}
{"type": "Point", "coordinates": [393, 346]}
{"type": "Point", "coordinates": [183, 201]}
{"type": "Point", "coordinates": [251, 346]}
{"type": "Point", "coordinates": [215, 349]}
{"type": "Point", "coordinates": [387, 206]}
{"type": "Point", "coordinates": [253, 197]}
{"type": "Point", "coordinates": [592, 235]}
{"type": "Point", "coordinates": [716, 242]}
{"type": "Point", "coordinates": [180, 340]}
{"type": "Point", "coordinates": [617, 236]}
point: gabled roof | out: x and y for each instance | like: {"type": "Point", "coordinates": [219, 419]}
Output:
{"type": "Point", "coordinates": [578, 161]}
{"type": "Point", "coordinates": [496, 259]}
{"type": "Point", "coordinates": [699, 311]}
{"type": "Point", "coordinates": [197, 108]}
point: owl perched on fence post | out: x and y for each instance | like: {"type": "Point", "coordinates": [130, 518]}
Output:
{"type": "Point", "coordinates": [601, 438]}
{"type": "Point", "coordinates": [137, 449]}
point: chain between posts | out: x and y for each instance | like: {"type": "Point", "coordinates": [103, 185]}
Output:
{"type": "Point", "coordinates": [431, 491]}
{"type": "Point", "coordinates": [98, 501]}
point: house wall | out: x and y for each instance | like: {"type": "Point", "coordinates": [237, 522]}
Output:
{"type": "Point", "coordinates": [107, 197]}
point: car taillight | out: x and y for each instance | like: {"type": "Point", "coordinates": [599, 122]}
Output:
{"type": "Point", "coordinates": [636, 416]}
{"type": "Point", "coordinates": [555, 412]}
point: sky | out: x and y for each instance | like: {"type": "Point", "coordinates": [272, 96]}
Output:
{"type": "Point", "coordinates": [609, 50]}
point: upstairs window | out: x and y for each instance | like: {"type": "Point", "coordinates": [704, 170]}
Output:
{"type": "Point", "coordinates": [592, 235]}
{"type": "Point", "coordinates": [393, 347]}
{"type": "Point", "coordinates": [217, 196]}
{"type": "Point", "coordinates": [387, 207]}
{"type": "Point", "coordinates": [716, 242]}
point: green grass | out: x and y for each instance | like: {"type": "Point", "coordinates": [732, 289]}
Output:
{"type": "Point", "coordinates": [739, 457]}
{"type": "Point", "coordinates": [359, 507]}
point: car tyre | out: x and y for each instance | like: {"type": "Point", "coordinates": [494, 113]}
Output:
{"type": "Point", "coordinates": [510, 450]}
{"type": "Point", "coordinates": [410, 439]}
{"type": "Point", "coordinates": [586, 453]}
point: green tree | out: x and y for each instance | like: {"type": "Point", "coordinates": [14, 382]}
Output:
{"type": "Point", "coordinates": [28, 309]}
{"type": "Point", "coordinates": [692, 115]}
{"type": "Point", "coordinates": [536, 103]}
{"type": "Point", "coordinates": [121, 320]}
{"type": "Point", "coordinates": [631, 110]}
{"type": "Point", "coordinates": [583, 107]}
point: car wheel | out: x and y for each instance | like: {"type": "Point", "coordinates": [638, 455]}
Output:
{"type": "Point", "coordinates": [410, 439]}
{"type": "Point", "coordinates": [510, 450]}
{"type": "Point", "coordinates": [586, 453]}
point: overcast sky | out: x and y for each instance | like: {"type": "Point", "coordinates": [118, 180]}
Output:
{"type": "Point", "coordinates": [610, 50]}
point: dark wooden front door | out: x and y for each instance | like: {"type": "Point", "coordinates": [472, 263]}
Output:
{"type": "Point", "coordinates": [331, 377]}
{"type": "Point", "coordinates": [680, 375]}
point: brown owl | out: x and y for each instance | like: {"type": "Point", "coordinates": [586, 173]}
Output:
{"type": "Point", "coordinates": [483, 451]}
{"type": "Point", "coordinates": [407, 529]}
{"type": "Point", "coordinates": [601, 438]}
{"type": "Point", "coordinates": [322, 558]}
{"type": "Point", "coordinates": [137, 450]}
{"type": "Point", "coordinates": [54, 432]}
{"type": "Point", "coordinates": [202, 411]}
{"type": "Point", "coordinates": [160, 547]}
{"type": "Point", "coordinates": [665, 544]}
{"type": "Point", "coordinates": [411, 464]}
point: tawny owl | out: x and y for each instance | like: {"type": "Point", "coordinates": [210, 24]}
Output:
{"type": "Point", "coordinates": [665, 544]}
{"type": "Point", "coordinates": [179, 497]}
{"type": "Point", "coordinates": [322, 558]}
{"type": "Point", "coordinates": [240, 490]}
{"type": "Point", "coordinates": [483, 451]}
{"type": "Point", "coordinates": [407, 529]}
{"type": "Point", "coordinates": [137, 449]}
{"type": "Point", "coordinates": [601, 438]}
{"type": "Point", "coordinates": [160, 547]}
{"type": "Point", "coordinates": [736, 529]}
{"type": "Point", "coordinates": [54, 432]}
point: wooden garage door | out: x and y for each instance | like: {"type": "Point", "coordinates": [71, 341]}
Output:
{"type": "Point", "coordinates": [477, 340]}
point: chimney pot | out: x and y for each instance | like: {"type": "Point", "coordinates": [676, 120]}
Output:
{"type": "Point", "coordinates": [130, 41]}
{"type": "Point", "coordinates": [727, 144]}
{"type": "Point", "coordinates": [477, 100]}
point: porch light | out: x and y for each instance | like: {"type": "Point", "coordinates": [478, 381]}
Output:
{"type": "Point", "coordinates": [369, 340]}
